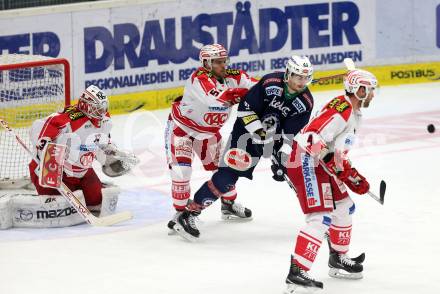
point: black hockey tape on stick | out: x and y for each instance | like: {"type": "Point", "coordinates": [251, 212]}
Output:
{"type": "Point", "coordinates": [382, 189]}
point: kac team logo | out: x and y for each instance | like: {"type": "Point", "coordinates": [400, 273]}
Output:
{"type": "Point", "coordinates": [215, 119]}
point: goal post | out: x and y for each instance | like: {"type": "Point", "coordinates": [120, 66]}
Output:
{"type": "Point", "coordinates": [31, 87]}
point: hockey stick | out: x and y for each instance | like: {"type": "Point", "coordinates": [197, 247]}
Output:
{"type": "Point", "coordinates": [382, 188]}
{"type": "Point", "coordinates": [286, 178]}
{"type": "Point", "coordinates": [349, 64]}
{"type": "Point", "coordinates": [71, 198]}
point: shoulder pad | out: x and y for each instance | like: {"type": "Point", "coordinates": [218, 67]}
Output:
{"type": "Point", "coordinates": [233, 72]}
{"type": "Point", "coordinates": [73, 113]}
{"type": "Point", "coordinates": [200, 73]}
{"type": "Point", "coordinates": [339, 104]}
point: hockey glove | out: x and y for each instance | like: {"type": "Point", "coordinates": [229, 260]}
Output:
{"type": "Point", "coordinates": [280, 159]}
{"type": "Point", "coordinates": [339, 167]}
{"type": "Point", "coordinates": [232, 96]}
{"type": "Point", "coordinates": [278, 171]}
{"type": "Point", "coordinates": [356, 182]}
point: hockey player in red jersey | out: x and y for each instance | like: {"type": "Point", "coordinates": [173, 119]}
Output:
{"type": "Point", "coordinates": [85, 129]}
{"type": "Point", "coordinates": [320, 172]}
{"type": "Point", "coordinates": [196, 118]}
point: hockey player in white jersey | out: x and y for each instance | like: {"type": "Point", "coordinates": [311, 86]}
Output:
{"type": "Point", "coordinates": [196, 118]}
{"type": "Point", "coordinates": [320, 172]}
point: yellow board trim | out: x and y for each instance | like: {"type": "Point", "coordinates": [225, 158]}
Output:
{"type": "Point", "coordinates": [160, 99]}
{"type": "Point", "coordinates": [387, 75]}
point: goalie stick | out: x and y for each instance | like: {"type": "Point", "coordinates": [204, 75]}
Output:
{"type": "Point", "coordinates": [349, 64]}
{"type": "Point", "coordinates": [71, 198]}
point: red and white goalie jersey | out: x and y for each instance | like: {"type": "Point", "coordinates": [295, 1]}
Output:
{"type": "Point", "coordinates": [205, 105]}
{"type": "Point", "coordinates": [73, 128]}
{"type": "Point", "coordinates": [333, 128]}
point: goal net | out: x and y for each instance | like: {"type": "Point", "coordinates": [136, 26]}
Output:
{"type": "Point", "coordinates": [31, 87]}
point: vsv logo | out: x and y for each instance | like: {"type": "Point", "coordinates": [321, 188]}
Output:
{"type": "Point", "coordinates": [303, 26]}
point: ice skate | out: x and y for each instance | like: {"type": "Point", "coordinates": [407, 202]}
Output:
{"type": "Point", "coordinates": [299, 278]}
{"type": "Point", "coordinates": [358, 259]}
{"type": "Point", "coordinates": [232, 210]}
{"type": "Point", "coordinates": [186, 226]}
{"type": "Point", "coordinates": [343, 267]}
{"type": "Point", "coordinates": [172, 223]}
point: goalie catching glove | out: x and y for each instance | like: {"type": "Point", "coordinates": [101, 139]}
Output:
{"type": "Point", "coordinates": [117, 162]}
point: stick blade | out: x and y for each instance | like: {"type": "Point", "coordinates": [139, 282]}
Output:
{"type": "Point", "coordinates": [111, 219]}
{"type": "Point", "coordinates": [382, 190]}
{"type": "Point", "coordinates": [349, 64]}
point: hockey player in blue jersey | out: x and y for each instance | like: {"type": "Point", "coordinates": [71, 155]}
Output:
{"type": "Point", "coordinates": [269, 116]}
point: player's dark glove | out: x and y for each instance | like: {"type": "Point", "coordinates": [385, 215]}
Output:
{"type": "Point", "coordinates": [278, 166]}
{"type": "Point", "coordinates": [278, 172]}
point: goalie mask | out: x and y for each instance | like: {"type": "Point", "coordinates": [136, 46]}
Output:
{"type": "Point", "coordinates": [210, 52]}
{"type": "Point", "coordinates": [93, 103]}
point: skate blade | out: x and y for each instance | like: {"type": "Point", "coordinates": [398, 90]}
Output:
{"type": "Point", "coordinates": [293, 288]}
{"type": "Point", "coordinates": [341, 274]}
{"type": "Point", "coordinates": [234, 218]}
{"type": "Point", "coordinates": [182, 233]}
{"type": "Point", "coordinates": [172, 233]}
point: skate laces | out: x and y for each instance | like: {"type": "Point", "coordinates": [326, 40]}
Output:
{"type": "Point", "coordinates": [305, 274]}
{"type": "Point", "coordinates": [345, 259]}
{"type": "Point", "coordinates": [238, 208]}
{"type": "Point", "coordinates": [192, 221]}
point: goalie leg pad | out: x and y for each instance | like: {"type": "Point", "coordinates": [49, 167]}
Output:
{"type": "Point", "coordinates": [110, 196]}
{"type": "Point", "coordinates": [26, 210]}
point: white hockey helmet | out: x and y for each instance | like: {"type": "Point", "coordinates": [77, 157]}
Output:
{"type": "Point", "coordinates": [299, 65]}
{"type": "Point", "coordinates": [213, 51]}
{"type": "Point", "coordinates": [93, 102]}
{"type": "Point", "coordinates": [360, 78]}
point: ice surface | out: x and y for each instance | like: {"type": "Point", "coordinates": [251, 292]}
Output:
{"type": "Point", "coordinates": [401, 239]}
